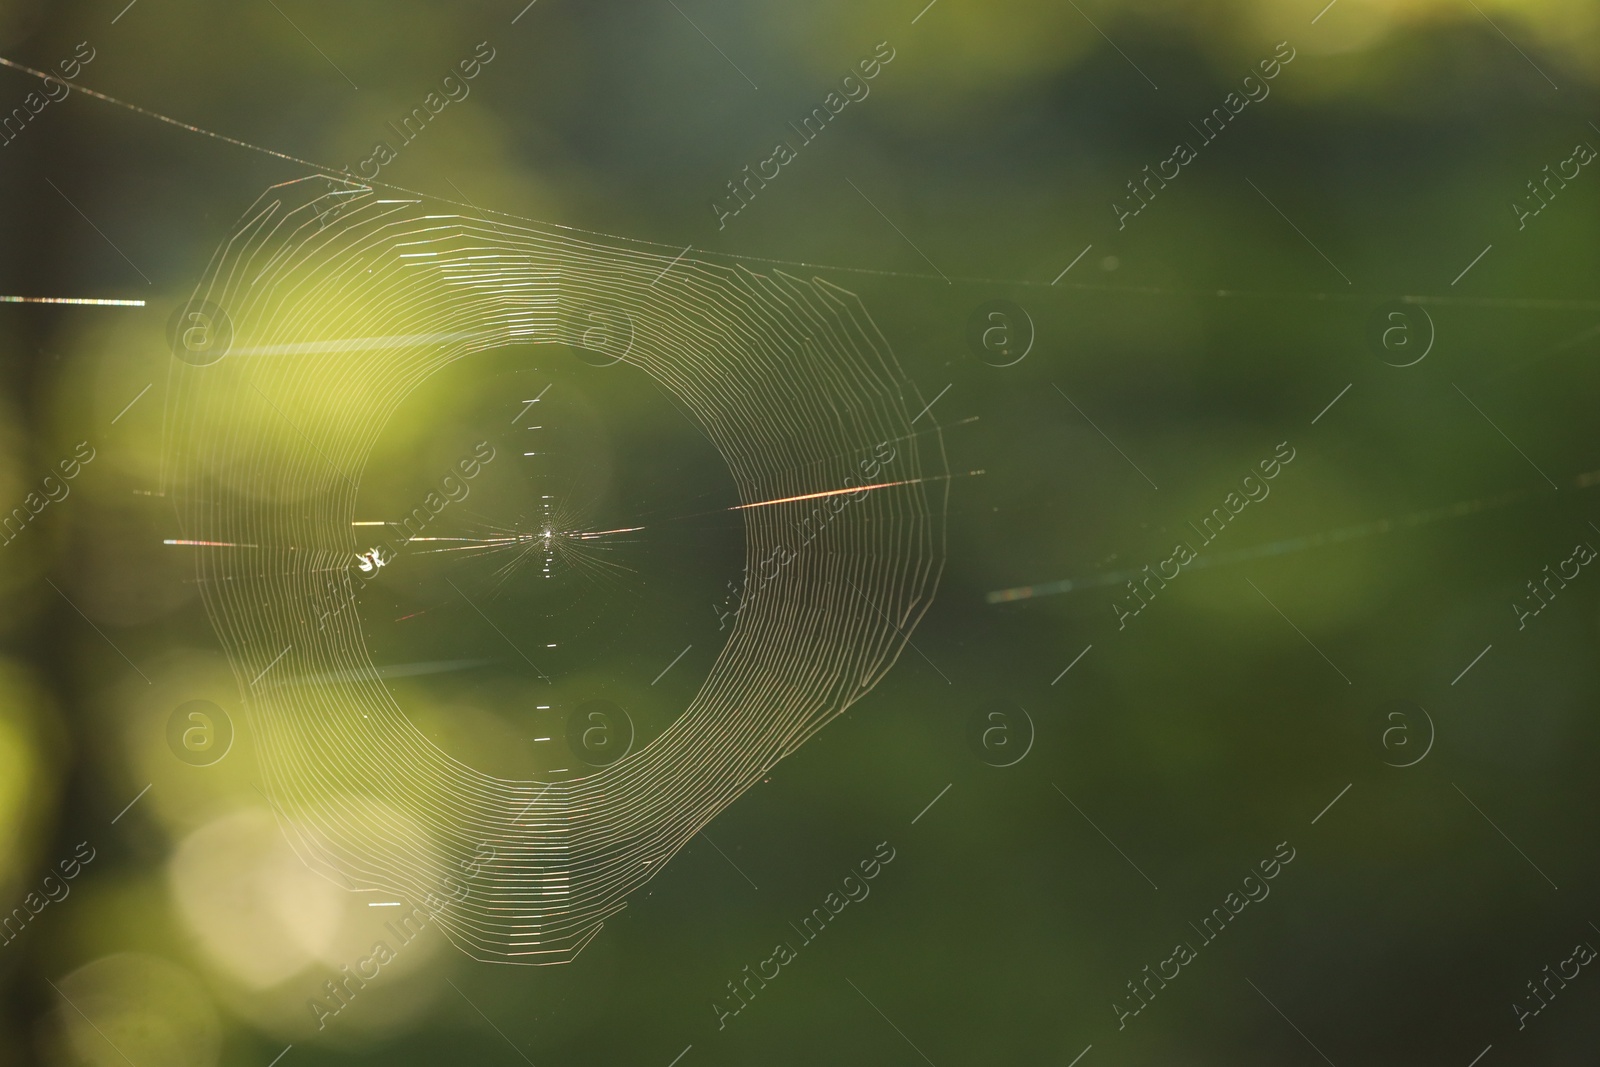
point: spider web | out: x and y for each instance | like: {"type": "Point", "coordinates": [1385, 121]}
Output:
{"type": "Point", "coordinates": [341, 303]}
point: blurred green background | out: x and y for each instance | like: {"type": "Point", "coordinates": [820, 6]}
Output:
{"type": "Point", "coordinates": [1221, 321]}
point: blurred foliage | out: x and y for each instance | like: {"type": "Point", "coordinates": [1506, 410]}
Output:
{"type": "Point", "coordinates": [1207, 331]}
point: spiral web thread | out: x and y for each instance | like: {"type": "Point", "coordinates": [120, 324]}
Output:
{"type": "Point", "coordinates": [341, 303]}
